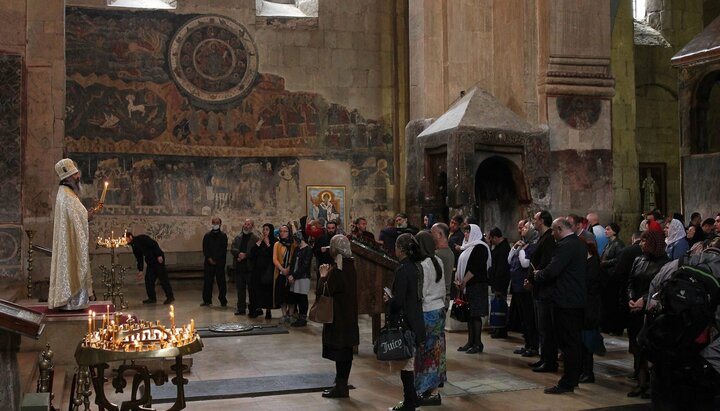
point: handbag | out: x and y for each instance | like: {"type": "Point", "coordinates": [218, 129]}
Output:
{"type": "Point", "coordinates": [395, 342]}
{"type": "Point", "coordinates": [322, 309]}
{"type": "Point", "coordinates": [460, 310]}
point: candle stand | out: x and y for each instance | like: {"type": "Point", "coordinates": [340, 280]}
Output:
{"type": "Point", "coordinates": [113, 276]}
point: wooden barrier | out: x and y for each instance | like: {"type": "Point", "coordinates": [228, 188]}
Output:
{"type": "Point", "coordinates": [375, 270]}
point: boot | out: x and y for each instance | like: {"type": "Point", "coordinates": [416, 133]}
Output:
{"type": "Point", "coordinates": [471, 338]}
{"type": "Point", "coordinates": [340, 390]}
{"type": "Point", "coordinates": [477, 331]}
{"type": "Point", "coordinates": [410, 400]}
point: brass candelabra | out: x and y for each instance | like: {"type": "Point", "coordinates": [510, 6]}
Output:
{"type": "Point", "coordinates": [113, 276]}
{"type": "Point", "coordinates": [30, 234]}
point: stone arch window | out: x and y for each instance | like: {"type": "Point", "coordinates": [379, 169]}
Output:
{"type": "Point", "coordinates": [144, 4]}
{"type": "Point", "coordinates": [287, 8]}
{"type": "Point", "coordinates": [706, 115]}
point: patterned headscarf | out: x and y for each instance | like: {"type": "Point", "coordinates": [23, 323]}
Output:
{"type": "Point", "coordinates": [676, 232]}
{"type": "Point", "coordinates": [655, 243]}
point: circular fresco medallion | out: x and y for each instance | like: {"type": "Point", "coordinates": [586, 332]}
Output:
{"type": "Point", "coordinates": [579, 112]}
{"type": "Point", "coordinates": [8, 246]}
{"type": "Point", "coordinates": [213, 59]}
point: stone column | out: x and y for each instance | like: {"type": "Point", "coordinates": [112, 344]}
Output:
{"type": "Point", "coordinates": [575, 89]}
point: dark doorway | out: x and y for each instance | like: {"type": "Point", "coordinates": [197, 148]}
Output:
{"type": "Point", "coordinates": [436, 190]}
{"type": "Point", "coordinates": [496, 196]}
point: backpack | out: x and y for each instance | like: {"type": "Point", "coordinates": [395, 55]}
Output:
{"type": "Point", "coordinates": [681, 323]}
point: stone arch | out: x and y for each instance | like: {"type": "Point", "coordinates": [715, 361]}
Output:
{"type": "Point", "coordinates": [705, 114]}
{"type": "Point", "coordinates": [500, 192]}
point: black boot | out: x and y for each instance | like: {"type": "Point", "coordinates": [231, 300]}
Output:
{"type": "Point", "coordinates": [471, 338]}
{"type": "Point", "coordinates": [340, 390]}
{"type": "Point", "coordinates": [410, 400]}
{"type": "Point", "coordinates": [477, 331]}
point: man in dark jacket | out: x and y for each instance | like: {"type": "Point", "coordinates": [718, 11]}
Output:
{"type": "Point", "coordinates": [215, 245]}
{"type": "Point", "coordinates": [543, 309]}
{"type": "Point", "coordinates": [499, 274]}
{"type": "Point", "coordinates": [621, 273]}
{"type": "Point", "coordinates": [144, 246]}
{"type": "Point", "coordinates": [564, 279]}
{"type": "Point", "coordinates": [240, 250]}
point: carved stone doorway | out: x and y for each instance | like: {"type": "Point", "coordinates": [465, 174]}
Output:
{"type": "Point", "coordinates": [496, 195]}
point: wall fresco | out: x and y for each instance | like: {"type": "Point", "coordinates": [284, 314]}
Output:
{"type": "Point", "coordinates": [173, 159]}
{"type": "Point", "coordinates": [122, 98]}
{"type": "Point", "coordinates": [10, 136]}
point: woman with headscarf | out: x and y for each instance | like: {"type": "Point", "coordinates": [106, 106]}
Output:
{"type": "Point", "coordinates": [643, 271]}
{"type": "Point", "coordinates": [430, 367]}
{"type": "Point", "coordinates": [428, 221]}
{"type": "Point", "coordinates": [406, 303]}
{"type": "Point", "coordinates": [521, 304]}
{"type": "Point", "coordinates": [612, 319]}
{"type": "Point", "coordinates": [282, 258]}
{"type": "Point", "coordinates": [262, 278]}
{"type": "Point", "coordinates": [340, 336]}
{"type": "Point", "coordinates": [471, 279]}
{"type": "Point", "coordinates": [676, 244]}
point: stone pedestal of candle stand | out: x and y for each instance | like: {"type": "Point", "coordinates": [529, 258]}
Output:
{"type": "Point", "coordinates": [114, 276]}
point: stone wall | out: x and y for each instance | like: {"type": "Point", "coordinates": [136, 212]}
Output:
{"type": "Point", "coordinates": [31, 34]}
{"type": "Point", "coordinates": [624, 149]}
{"type": "Point", "coordinates": [658, 132]}
{"type": "Point", "coordinates": [455, 45]}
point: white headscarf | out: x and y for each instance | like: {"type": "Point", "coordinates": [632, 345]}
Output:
{"type": "Point", "coordinates": [676, 231]}
{"type": "Point", "coordinates": [474, 239]}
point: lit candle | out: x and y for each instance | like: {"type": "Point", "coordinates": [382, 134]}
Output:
{"type": "Point", "coordinates": [89, 326]}
{"type": "Point", "coordinates": [102, 196]}
{"type": "Point", "coordinates": [172, 316]}
{"type": "Point", "coordinates": [192, 325]}
{"type": "Point", "coordinates": [104, 322]}
{"type": "Point", "coordinates": [93, 320]}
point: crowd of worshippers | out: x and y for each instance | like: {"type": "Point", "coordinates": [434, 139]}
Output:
{"type": "Point", "coordinates": [569, 278]}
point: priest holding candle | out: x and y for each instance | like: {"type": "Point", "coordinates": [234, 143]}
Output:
{"type": "Point", "coordinates": [70, 278]}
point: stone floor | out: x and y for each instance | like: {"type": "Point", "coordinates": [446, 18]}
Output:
{"type": "Point", "coordinates": [494, 380]}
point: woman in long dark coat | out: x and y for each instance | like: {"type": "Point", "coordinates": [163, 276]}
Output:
{"type": "Point", "coordinates": [406, 301]}
{"type": "Point", "coordinates": [263, 269]}
{"type": "Point", "coordinates": [471, 279]}
{"type": "Point", "coordinates": [340, 336]}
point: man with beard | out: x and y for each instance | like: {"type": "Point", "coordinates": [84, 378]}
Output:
{"type": "Point", "coordinates": [240, 250]}
{"type": "Point", "coordinates": [70, 279]}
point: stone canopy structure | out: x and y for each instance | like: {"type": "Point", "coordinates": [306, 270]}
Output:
{"type": "Point", "coordinates": [478, 158]}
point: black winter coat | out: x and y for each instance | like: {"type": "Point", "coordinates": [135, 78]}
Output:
{"type": "Point", "coordinates": [343, 332]}
{"type": "Point", "coordinates": [564, 279]}
{"type": "Point", "coordinates": [643, 271]}
{"type": "Point", "coordinates": [594, 300]}
{"type": "Point", "coordinates": [407, 299]}
{"type": "Point", "coordinates": [215, 244]}
{"type": "Point", "coordinates": [499, 273]}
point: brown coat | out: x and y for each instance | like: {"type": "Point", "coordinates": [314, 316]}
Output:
{"type": "Point", "coordinates": [342, 286]}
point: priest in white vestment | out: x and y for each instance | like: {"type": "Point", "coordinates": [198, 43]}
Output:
{"type": "Point", "coordinates": [70, 277]}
